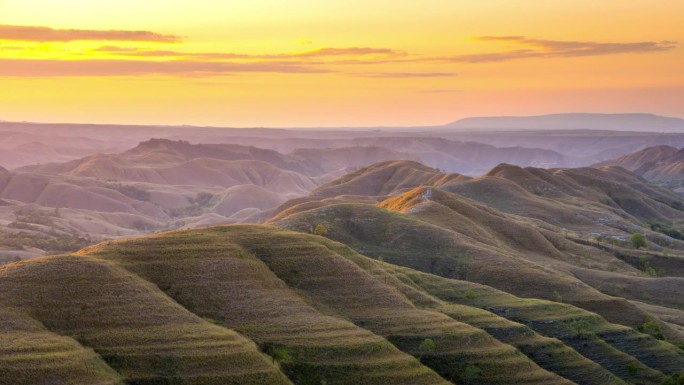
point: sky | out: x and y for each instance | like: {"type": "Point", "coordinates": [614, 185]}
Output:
{"type": "Point", "coordinates": [341, 63]}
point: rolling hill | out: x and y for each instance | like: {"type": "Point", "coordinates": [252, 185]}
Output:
{"type": "Point", "coordinates": [246, 304]}
{"type": "Point", "coordinates": [663, 165]}
{"type": "Point", "coordinates": [160, 184]}
{"type": "Point", "coordinates": [555, 234]}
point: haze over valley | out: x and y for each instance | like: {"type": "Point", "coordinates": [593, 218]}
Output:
{"type": "Point", "coordinates": [460, 230]}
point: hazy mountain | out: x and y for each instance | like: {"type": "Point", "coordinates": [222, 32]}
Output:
{"type": "Point", "coordinates": [575, 121]}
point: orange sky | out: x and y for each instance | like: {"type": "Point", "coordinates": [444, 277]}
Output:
{"type": "Point", "coordinates": [336, 63]}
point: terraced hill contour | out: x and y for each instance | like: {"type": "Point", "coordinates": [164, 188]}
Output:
{"type": "Point", "coordinates": [260, 305]}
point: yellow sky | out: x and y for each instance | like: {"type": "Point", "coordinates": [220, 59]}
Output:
{"type": "Point", "coordinates": [336, 63]}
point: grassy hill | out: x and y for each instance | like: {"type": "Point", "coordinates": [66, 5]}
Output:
{"type": "Point", "coordinates": [567, 243]}
{"type": "Point", "coordinates": [261, 305]}
{"type": "Point", "coordinates": [662, 164]}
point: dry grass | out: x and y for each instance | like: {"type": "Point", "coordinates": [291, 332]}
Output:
{"type": "Point", "coordinates": [216, 276]}
{"type": "Point", "coordinates": [131, 324]}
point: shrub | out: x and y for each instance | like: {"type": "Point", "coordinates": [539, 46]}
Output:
{"type": "Point", "coordinates": [470, 294]}
{"type": "Point", "coordinates": [649, 271]}
{"type": "Point", "coordinates": [668, 230]}
{"type": "Point", "coordinates": [471, 373]}
{"type": "Point", "coordinates": [320, 229]}
{"type": "Point", "coordinates": [580, 327]}
{"type": "Point", "coordinates": [632, 368]}
{"type": "Point", "coordinates": [427, 346]}
{"type": "Point", "coordinates": [557, 296]}
{"type": "Point", "coordinates": [278, 354]}
{"type": "Point", "coordinates": [638, 240]}
{"type": "Point", "coordinates": [675, 379]}
{"type": "Point", "coordinates": [652, 328]}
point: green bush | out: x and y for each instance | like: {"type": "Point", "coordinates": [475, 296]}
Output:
{"type": "Point", "coordinates": [652, 328]}
{"type": "Point", "coordinates": [668, 230]}
{"type": "Point", "coordinates": [638, 240]}
{"type": "Point", "coordinates": [427, 346]}
{"type": "Point", "coordinates": [320, 229]}
{"type": "Point", "coordinates": [472, 373]}
{"type": "Point", "coordinates": [675, 379]}
{"type": "Point", "coordinates": [632, 368]}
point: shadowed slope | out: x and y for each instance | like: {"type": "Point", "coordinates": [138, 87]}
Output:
{"type": "Point", "coordinates": [413, 243]}
{"type": "Point", "coordinates": [609, 197]}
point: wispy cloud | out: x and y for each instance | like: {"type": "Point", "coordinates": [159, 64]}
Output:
{"type": "Point", "coordinates": [317, 53]}
{"type": "Point", "coordinates": [401, 75]}
{"type": "Point", "coordinates": [440, 91]}
{"type": "Point", "coordinates": [539, 48]}
{"type": "Point", "coordinates": [352, 51]}
{"type": "Point", "coordinates": [56, 68]}
{"type": "Point", "coordinates": [47, 34]}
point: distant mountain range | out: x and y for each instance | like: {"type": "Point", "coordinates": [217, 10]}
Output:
{"type": "Point", "coordinates": [574, 121]}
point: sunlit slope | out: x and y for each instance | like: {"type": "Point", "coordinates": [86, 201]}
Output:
{"type": "Point", "coordinates": [295, 295]}
{"type": "Point", "coordinates": [566, 241]}
{"type": "Point", "coordinates": [212, 274]}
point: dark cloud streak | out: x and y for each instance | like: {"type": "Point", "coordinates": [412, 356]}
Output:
{"type": "Point", "coordinates": [539, 48]}
{"type": "Point", "coordinates": [60, 68]}
{"type": "Point", "coordinates": [47, 34]}
{"type": "Point", "coordinates": [318, 53]}
{"type": "Point", "coordinates": [404, 75]}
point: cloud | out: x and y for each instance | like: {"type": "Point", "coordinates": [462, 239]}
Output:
{"type": "Point", "coordinates": [538, 48]}
{"type": "Point", "coordinates": [317, 53]}
{"type": "Point", "coordinates": [353, 51]}
{"type": "Point", "coordinates": [440, 91]}
{"type": "Point", "coordinates": [46, 34]}
{"type": "Point", "coordinates": [403, 75]}
{"type": "Point", "coordinates": [56, 68]}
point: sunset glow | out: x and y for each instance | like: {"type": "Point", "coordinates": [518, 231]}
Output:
{"type": "Point", "coordinates": [335, 63]}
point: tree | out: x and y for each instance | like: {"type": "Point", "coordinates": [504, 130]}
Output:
{"type": "Point", "coordinates": [320, 229]}
{"type": "Point", "coordinates": [427, 346]}
{"type": "Point", "coordinates": [638, 240]}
